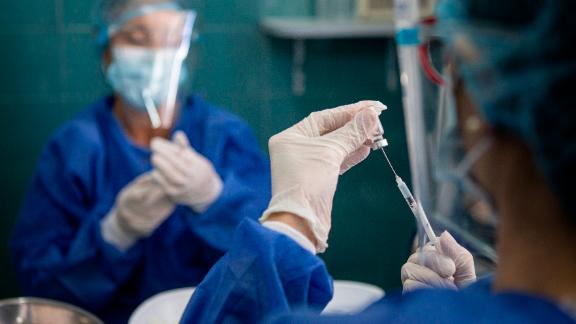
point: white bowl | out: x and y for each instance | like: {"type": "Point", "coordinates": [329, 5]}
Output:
{"type": "Point", "coordinates": [352, 297]}
{"type": "Point", "coordinates": [164, 308]}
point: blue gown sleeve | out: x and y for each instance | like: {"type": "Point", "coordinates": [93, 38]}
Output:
{"type": "Point", "coordinates": [444, 306]}
{"type": "Point", "coordinates": [57, 246]}
{"type": "Point", "coordinates": [267, 278]}
{"type": "Point", "coordinates": [264, 273]}
{"type": "Point", "coordinates": [245, 174]}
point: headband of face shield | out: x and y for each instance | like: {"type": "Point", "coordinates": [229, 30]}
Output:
{"type": "Point", "coordinates": [147, 67]}
{"type": "Point", "coordinates": [113, 14]}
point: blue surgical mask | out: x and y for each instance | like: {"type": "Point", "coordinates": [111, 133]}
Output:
{"type": "Point", "coordinates": [137, 72]}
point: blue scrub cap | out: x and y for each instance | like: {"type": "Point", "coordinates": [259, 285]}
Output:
{"type": "Point", "coordinates": [113, 14]}
{"type": "Point", "coordinates": [517, 60]}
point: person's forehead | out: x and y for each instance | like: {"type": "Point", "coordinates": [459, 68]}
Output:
{"type": "Point", "coordinates": [155, 20]}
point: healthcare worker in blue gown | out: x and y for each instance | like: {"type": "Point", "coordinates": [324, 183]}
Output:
{"type": "Point", "coordinates": [120, 209]}
{"type": "Point", "coordinates": [516, 119]}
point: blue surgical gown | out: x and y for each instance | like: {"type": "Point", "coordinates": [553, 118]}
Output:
{"type": "Point", "coordinates": [57, 245]}
{"type": "Point", "coordinates": [267, 277]}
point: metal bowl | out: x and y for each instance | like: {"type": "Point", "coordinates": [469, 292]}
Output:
{"type": "Point", "coordinates": [42, 311]}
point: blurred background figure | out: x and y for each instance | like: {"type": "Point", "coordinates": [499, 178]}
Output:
{"type": "Point", "coordinates": [117, 211]}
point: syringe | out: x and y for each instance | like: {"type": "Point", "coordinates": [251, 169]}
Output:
{"type": "Point", "coordinates": [379, 143]}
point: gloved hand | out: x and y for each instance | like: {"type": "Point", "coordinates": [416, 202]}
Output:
{"type": "Point", "coordinates": [448, 265]}
{"type": "Point", "coordinates": [140, 208]}
{"type": "Point", "coordinates": [186, 176]}
{"type": "Point", "coordinates": [307, 158]}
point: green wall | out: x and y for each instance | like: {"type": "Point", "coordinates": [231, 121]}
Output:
{"type": "Point", "coordinates": [50, 70]}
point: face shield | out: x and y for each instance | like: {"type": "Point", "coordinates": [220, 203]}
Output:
{"type": "Point", "coordinates": [440, 162]}
{"type": "Point", "coordinates": [148, 45]}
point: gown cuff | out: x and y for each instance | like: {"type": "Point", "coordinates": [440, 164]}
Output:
{"type": "Point", "coordinates": [113, 233]}
{"type": "Point", "coordinates": [287, 230]}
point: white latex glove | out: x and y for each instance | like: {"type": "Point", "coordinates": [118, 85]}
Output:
{"type": "Point", "coordinates": [140, 208]}
{"type": "Point", "coordinates": [447, 266]}
{"type": "Point", "coordinates": [187, 176]}
{"type": "Point", "coordinates": [307, 158]}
